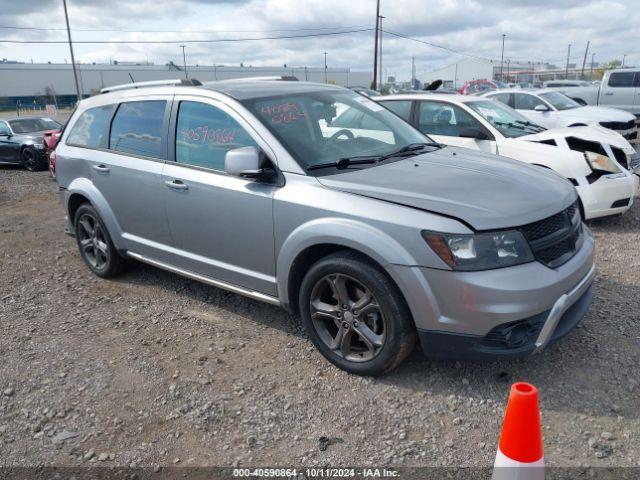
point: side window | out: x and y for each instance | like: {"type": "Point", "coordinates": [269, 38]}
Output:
{"type": "Point", "coordinates": [92, 128]}
{"type": "Point", "coordinates": [621, 79]}
{"type": "Point", "coordinates": [526, 102]}
{"type": "Point", "coordinates": [438, 118]}
{"type": "Point", "coordinates": [501, 97]}
{"type": "Point", "coordinates": [137, 128]}
{"type": "Point", "coordinates": [402, 108]}
{"type": "Point", "coordinates": [204, 134]}
{"type": "Point", "coordinates": [4, 127]}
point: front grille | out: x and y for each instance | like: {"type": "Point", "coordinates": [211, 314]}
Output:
{"type": "Point", "coordinates": [555, 239]}
{"type": "Point", "coordinates": [634, 161]}
{"type": "Point", "coordinates": [619, 125]}
{"type": "Point", "coordinates": [621, 157]}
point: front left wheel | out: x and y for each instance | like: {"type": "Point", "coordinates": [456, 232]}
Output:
{"type": "Point", "coordinates": [32, 160]}
{"type": "Point", "coordinates": [355, 315]}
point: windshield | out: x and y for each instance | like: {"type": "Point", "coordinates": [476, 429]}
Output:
{"type": "Point", "coordinates": [324, 127]}
{"type": "Point", "coordinates": [29, 125]}
{"type": "Point", "coordinates": [559, 100]}
{"type": "Point", "coordinates": [505, 119]}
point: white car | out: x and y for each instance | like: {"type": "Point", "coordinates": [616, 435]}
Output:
{"type": "Point", "coordinates": [597, 161]}
{"type": "Point", "coordinates": [553, 109]}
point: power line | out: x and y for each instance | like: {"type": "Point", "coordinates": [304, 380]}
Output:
{"type": "Point", "coordinates": [436, 45]}
{"type": "Point", "coordinates": [56, 29]}
{"type": "Point", "coordinates": [219, 40]}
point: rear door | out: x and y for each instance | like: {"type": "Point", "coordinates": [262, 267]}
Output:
{"type": "Point", "coordinates": [620, 90]}
{"type": "Point", "coordinates": [222, 225]}
{"type": "Point", "coordinates": [128, 150]}
{"type": "Point", "coordinates": [444, 122]}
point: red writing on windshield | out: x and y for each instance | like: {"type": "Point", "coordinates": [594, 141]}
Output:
{"type": "Point", "coordinates": [205, 135]}
{"type": "Point", "coordinates": [283, 112]}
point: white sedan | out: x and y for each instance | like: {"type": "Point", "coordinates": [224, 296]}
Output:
{"type": "Point", "coordinates": [553, 109]}
{"type": "Point", "coordinates": [599, 162]}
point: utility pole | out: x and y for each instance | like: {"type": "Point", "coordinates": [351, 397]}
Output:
{"type": "Point", "coordinates": [184, 62]}
{"type": "Point", "coordinates": [413, 72]}
{"type": "Point", "coordinates": [584, 60]}
{"type": "Point", "coordinates": [73, 60]}
{"type": "Point", "coordinates": [566, 73]}
{"type": "Point", "coordinates": [591, 72]}
{"type": "Point", "coordinates": [382, 82]}
{"type": "Point", "coordinates": [624, 57]}
{"type": "Point", "coordinates": [325, 67]}
{"type": "Point", "coordinates": [502, 59]}
{"type": "Point", "coordinates": [374, 84]}
{"type": "Point", "coordinates": [508, 70]}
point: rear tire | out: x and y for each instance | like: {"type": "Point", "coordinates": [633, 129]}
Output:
{"type": "Point", "coordinates": [32, 161]}
{"type": "Point", "coordinates": [94, 243]}
{"type": "Point", "coordinates": [355, 315]}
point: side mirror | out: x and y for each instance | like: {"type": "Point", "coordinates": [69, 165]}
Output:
{"type": "Point", "coordinates": [541, 108]}
{"type": "Point", "coordinates": [5, 133]}
{"type": "Point", "coordinates": [472, 132]}
{"type": "Point", "coordinates": [244, 162]}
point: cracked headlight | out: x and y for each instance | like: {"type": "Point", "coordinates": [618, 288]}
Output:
{"type": "Point", "coordinates": [482, 251]}
{"type": "Point", "coordinates": [601, 162]}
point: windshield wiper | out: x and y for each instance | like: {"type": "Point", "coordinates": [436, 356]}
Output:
{"type": "Point", "coordinates": [346, 162]}
{"type": "Point", "coordinates": [519, 126]}
{"type": "Point", "coordinates": [534, 125]}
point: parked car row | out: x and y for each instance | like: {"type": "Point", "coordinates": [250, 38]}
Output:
{"type": "Point", "coordinates": [600, 163]}
{"type": "Point", "coordinates": [321, 200]}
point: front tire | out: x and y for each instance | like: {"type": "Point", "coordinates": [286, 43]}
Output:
{"type": "Point", "coordinates": [31, 160]}
{"type": "Point", "coordinates": [94, 243]}
{"type": "Point", "coordinates": [355, 315]}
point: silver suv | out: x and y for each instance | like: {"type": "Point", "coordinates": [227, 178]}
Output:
{"type": "Point", "coordinates": [317, 199]}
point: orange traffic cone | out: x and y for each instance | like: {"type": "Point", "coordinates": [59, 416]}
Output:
{"type": "Point", "coordinates": [520, 454]}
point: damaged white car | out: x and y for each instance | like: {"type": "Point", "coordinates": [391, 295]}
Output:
{"type": "Point", "coordinates": [599, 162]}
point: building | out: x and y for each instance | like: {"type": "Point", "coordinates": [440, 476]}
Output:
{"type": "Point", "coordinates": [35, 85]}
{"type": "Point", "coordinates": [456, 74]}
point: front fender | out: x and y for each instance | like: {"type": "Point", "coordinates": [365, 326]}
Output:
{"type": "Point", "coordinates": [87, 189]}
{"type": "Point", "coordinates": [348, 233]}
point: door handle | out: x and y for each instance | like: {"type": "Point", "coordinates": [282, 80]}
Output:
{"type": "Point", "coordinates": [608, 93]}
{"type": "Point", "coordinates": [101, 168]}
{"type": "Point", "coordinates": [176, 185]}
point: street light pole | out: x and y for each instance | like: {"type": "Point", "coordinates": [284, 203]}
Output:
{"type": "Point", "coordinates": [502, 58]}
{"type": "Point", "coordinates": [624, 57]}
{"type": "Point", "coordinates": [380, 41]}
{"type": "Point", "coordinates": [566, 72]}
{"type": "Point", "coordinates": [184, 62]}
{"type": "Point", "coordinates": [374, 84]}
{"type": "Point", "coordinates": [591, 72]}
{"type": "Point", "coordinates": [325, 67]}
{"type": "Point", "coordinates": [73, 60]}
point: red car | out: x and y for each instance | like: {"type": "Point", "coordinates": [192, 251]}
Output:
{"type": "Point", "coordinates": [51, 138]}
{"type": "Point", "coordinates": [477, 86]}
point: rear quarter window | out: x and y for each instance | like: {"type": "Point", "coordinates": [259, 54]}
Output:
{"type": "Point", "coordinates": [92, 128]}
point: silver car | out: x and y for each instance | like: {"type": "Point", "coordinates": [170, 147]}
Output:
{"type": "Point", "coordinates": [317, 199]}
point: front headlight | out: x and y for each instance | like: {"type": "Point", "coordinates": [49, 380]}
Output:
{"type": "Point", "coordinates": [38, 146]}
{"type": "Point", "coordinates": [482, 251]}
{"type": "Point", "coordinates": [601, 162]}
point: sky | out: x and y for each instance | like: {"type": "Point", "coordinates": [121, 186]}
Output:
{"type": "Point", "coordinates": [536, 30]}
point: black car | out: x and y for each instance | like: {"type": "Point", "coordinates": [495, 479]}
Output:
{"type": "Point", "coordinates": [22, 141]}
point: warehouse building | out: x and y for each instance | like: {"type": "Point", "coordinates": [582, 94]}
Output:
{"type": "Point", "coordinates": [34, 85]}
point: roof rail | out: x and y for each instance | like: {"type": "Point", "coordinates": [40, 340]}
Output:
{"type": "Point", "coordinates": [190, 82]}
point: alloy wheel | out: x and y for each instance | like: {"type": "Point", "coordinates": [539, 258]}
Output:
{"type": "Point", "coordinates": [29, 159]}
{"type": "Point", "coordinates": [347, 317]}
{"type": "Point", "coordinates": [92, 240]}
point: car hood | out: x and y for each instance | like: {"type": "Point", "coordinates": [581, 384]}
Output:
{"type": "Point", "coordinates": [594, 134]}
{"type": "Point", "coordinates": [31, 137]}
{"type": "Point", "coordinates": [598, 114]}
{"type": "Point", "coordinates": [483, 190]}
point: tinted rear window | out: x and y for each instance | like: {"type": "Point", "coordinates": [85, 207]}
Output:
{"type": "Point", "coordinates": [91, 129]}
{"type": "Point", "coordinates": [621, 79]}
{"type": "Point", "coordinates": [137, 128]}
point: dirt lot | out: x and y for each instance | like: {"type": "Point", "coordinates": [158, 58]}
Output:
{"type": "Point", "coordinates": [154, 369]}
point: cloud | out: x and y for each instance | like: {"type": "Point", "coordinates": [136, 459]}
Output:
{"type": "Point", "coordinates": [537, 30]}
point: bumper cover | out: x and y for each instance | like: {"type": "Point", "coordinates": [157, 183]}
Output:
{"type": "Point", "coordinates": [515, 339]}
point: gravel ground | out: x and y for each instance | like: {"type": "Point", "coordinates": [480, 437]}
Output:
{"type": "Point", "coordinates": [154, 369]}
